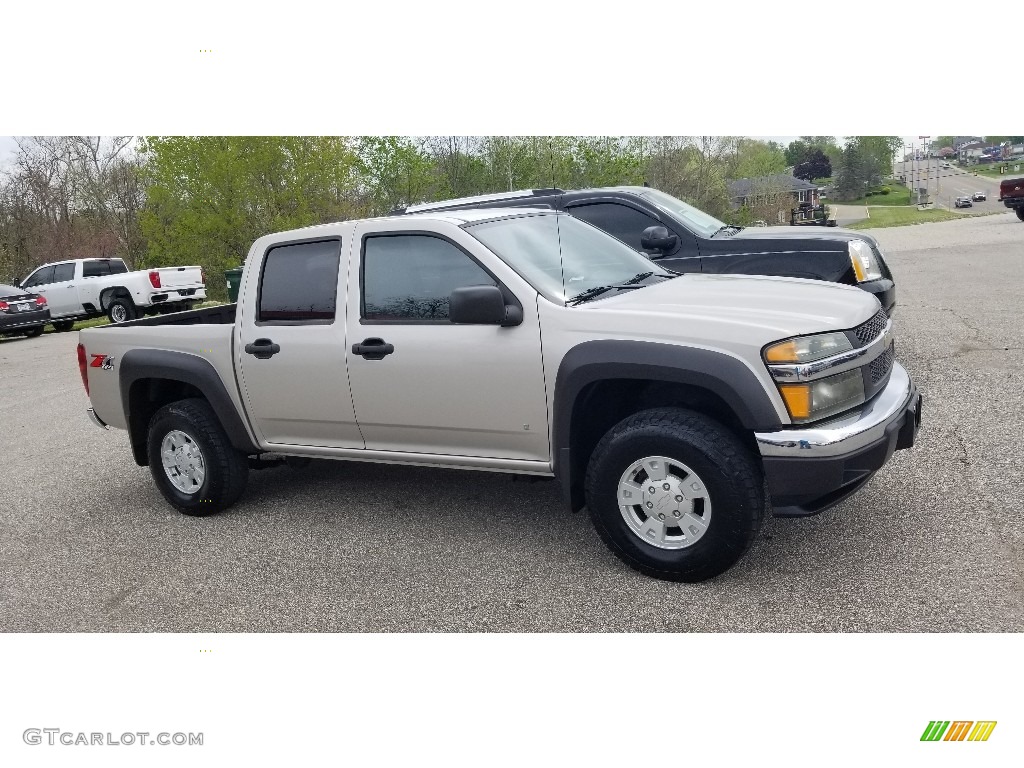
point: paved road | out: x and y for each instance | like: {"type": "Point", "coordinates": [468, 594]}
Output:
{"type": "Point", "coordinates": [947, 184]}
{"type": "Point", "coordinates": [934, 543]}
{"type": "Point", "coordinates": [849, 214]}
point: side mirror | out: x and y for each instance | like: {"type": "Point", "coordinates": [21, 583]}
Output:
{"type": "Point", "coordinates": [658, 239]}
{"type": "Point", "coordinates": [482, 305]}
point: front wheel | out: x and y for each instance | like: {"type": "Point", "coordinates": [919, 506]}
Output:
{"type": "Point", "coordinates": [192, 460]}
{"type": "Point", "coordinates": [63, 325]}
{"type": "Point", "coordinates": [675, 495]}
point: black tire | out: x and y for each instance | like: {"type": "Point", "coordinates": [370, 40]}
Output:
{"type": "Point", "coordinates": [226, 469]}
{"type": "Point", "coordinates": [1019, 212]}
{"type": "Point", "coordinates": [121, 310]}
{"type": "Point", "coordinates": [63, 325]}
{"type": "Point", "coordinates": [731, 476]}
{"type": "Point", "coordinates": [33, 332]}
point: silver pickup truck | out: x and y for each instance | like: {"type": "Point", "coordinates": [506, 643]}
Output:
{"type": "Point", "coordinates": [678, 409]}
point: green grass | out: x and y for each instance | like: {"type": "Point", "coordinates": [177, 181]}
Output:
{"type": "Point", "coordinates": [97, 321]}
{"type": "Point", "coordinates": [898, 195]}
{"type": "Point", "coordinates": [992, 170]}
{"type": "Point", "coordinates": [899, 217]}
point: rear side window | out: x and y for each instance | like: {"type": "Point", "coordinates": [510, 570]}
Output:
{"type": "Point", "coordinates": [408, 278]}
{"type": "Point", "coordinates": [103, 267]}
{"type": "Point", "coordinates": [621, 221]}
{"type": "Point", "coordinates": [63, 272]}
{"type": "Point", "coordinates": [43, 277]}
{"type": "Point", "coordinates": [300, 283]}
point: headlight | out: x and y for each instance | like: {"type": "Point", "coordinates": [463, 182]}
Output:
{"type": "Point", "coordinates": [817, 399]}
{"type": "Point", "coordinates": [807, 349]}
{"type": "Point", "coordinates": [865, 265]}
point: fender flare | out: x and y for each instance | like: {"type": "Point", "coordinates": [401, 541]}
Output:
{"type": "Point", "coordinates": [140, 364]}
{"type": "Point", "coordinates": [726, 376]}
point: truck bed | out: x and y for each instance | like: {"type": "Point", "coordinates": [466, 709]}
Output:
{"type": "Point", "coordinates": [221, 315]}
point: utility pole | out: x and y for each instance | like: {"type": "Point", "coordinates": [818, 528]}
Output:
{"type": "Point", "coordinates": [928, 166]}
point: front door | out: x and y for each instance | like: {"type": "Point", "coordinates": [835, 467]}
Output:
{"type": "Point", "coordinates": [291, 347]}
{"type": "Point", "coordinates": [627, 223]}
{"type": "Point", "coordinates": [62, 293]}
{"type": "Point", "coordinates": [433, 387]}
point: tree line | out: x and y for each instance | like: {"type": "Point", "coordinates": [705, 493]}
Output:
{"type": "Point", "coordinates": [165, 201]}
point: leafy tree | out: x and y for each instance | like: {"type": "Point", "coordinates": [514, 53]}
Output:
{"type": "Point", "coordinates": [209, 197]}
{"type": "Point", "coordinates": [395, 171]}
{"type": "Point", "coordinates": [816, 166]}
{"type": "Point", "coordinates": [801, 150]}
{"type": "Point", "coordinates": [754, 159]}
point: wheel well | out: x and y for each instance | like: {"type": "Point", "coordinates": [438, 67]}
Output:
{"type": "Point", "coordinates": [108, 296]}
{"type": "Point", "coordinates": [145, 398]}
{"type": "Point", "coordinates": [603, 404]}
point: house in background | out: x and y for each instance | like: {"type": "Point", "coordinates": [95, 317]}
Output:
{"type": "Point", "coordinates": [771, 198]}
{"type": "Point", "coordinates": [746, 191]}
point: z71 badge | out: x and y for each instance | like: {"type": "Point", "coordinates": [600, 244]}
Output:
{"type": "Point", "coordinates": [102, 361]}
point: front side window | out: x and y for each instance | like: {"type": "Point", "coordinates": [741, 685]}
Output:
{"type": "Point", "coordinates": [621, 221]}
{"type": "Point", "coordinates": [702, 223]}
{"type": "Point", "coordinates": [43, 276]}
{"type": "Point", "coordinates": [63, 272]}
{"type": "Point", "coordinates": [408, 278]}
{"type": "Point", "coordinates": [300, 283]}
{"type": "Point", "coordinates": [561, 256]}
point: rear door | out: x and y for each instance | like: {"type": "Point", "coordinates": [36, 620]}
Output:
{"type": "Point", "coordinates": [290, 352]}
{"type": "Point", "coordinates": [457, 390]}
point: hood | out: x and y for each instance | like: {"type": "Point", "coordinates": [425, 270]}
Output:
{"type": "Point", "coordinates": [757, 309]}
{"type": "Point", "coordinates": [798, 233]}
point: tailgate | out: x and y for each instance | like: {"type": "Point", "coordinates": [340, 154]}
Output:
{"type": "Point", "coordinates": [180, 277]}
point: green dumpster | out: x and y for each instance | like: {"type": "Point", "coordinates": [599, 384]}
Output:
{"type": "Point", "coordinates": [234, 278]}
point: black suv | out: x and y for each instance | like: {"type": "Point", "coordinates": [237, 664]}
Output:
{"type": "Point", "coordinates": [684, 239]}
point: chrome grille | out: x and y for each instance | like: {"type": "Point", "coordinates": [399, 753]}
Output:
{"type": "Point", "coordinates": [881, 365]}
{"type": "Point", "coordinates": [868, 332]}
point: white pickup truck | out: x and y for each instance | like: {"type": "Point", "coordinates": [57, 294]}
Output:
{"type": "Point", "coordinates": [678, 409]}
{"type": "Point", "coordinates": [78, 289]}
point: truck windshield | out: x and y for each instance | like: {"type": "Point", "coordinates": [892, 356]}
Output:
{"type": "Point", "coordinates": [695, 219]}
{"type": "Point", "coordinates": [564, 258]}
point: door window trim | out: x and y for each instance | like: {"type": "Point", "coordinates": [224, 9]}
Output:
{"type": "Point", "coordinates": [263, 265]}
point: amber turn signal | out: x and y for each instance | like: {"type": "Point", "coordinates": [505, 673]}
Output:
{"type": "Point", "coordinates": [798, 399]}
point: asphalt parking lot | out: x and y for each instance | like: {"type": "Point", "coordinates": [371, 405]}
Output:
{"type": "Point", "coordinates": [935, 542]}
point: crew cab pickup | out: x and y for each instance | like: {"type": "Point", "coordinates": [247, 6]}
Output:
{"type": "Point", "coordinates": [682, 238]}
{"type": "Point", "coordinates": [678, 409]}
{"type": "Point", "coordinates": [79, 289]}
{"type": "Point", "coordinates": [1011, 194]}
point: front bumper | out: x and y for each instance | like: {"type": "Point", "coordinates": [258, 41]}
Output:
{"type": "Point", "coordinates": [813, 468]}
{"type": "Point", "coordinates": [884, 290]}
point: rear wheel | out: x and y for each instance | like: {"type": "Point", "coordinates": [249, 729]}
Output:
{"type": "Point", "coordinates": [1020, 213]}
{"type": "Point", "coordinates": [192, 460]}
{"type": "Point", "coordinates": [674, 494]}
{"type": "Point", "coordinates": [33, 332]}
{"type": "Point", "coordinates": [121, 310]}
{"type": "Point", "coordinates": [63, 325]}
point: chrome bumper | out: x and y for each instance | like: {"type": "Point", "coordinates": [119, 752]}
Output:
{"type": "Point", "coordinates": [846, 434]}
{"type": "Point", "coordinates": [96, 419]}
